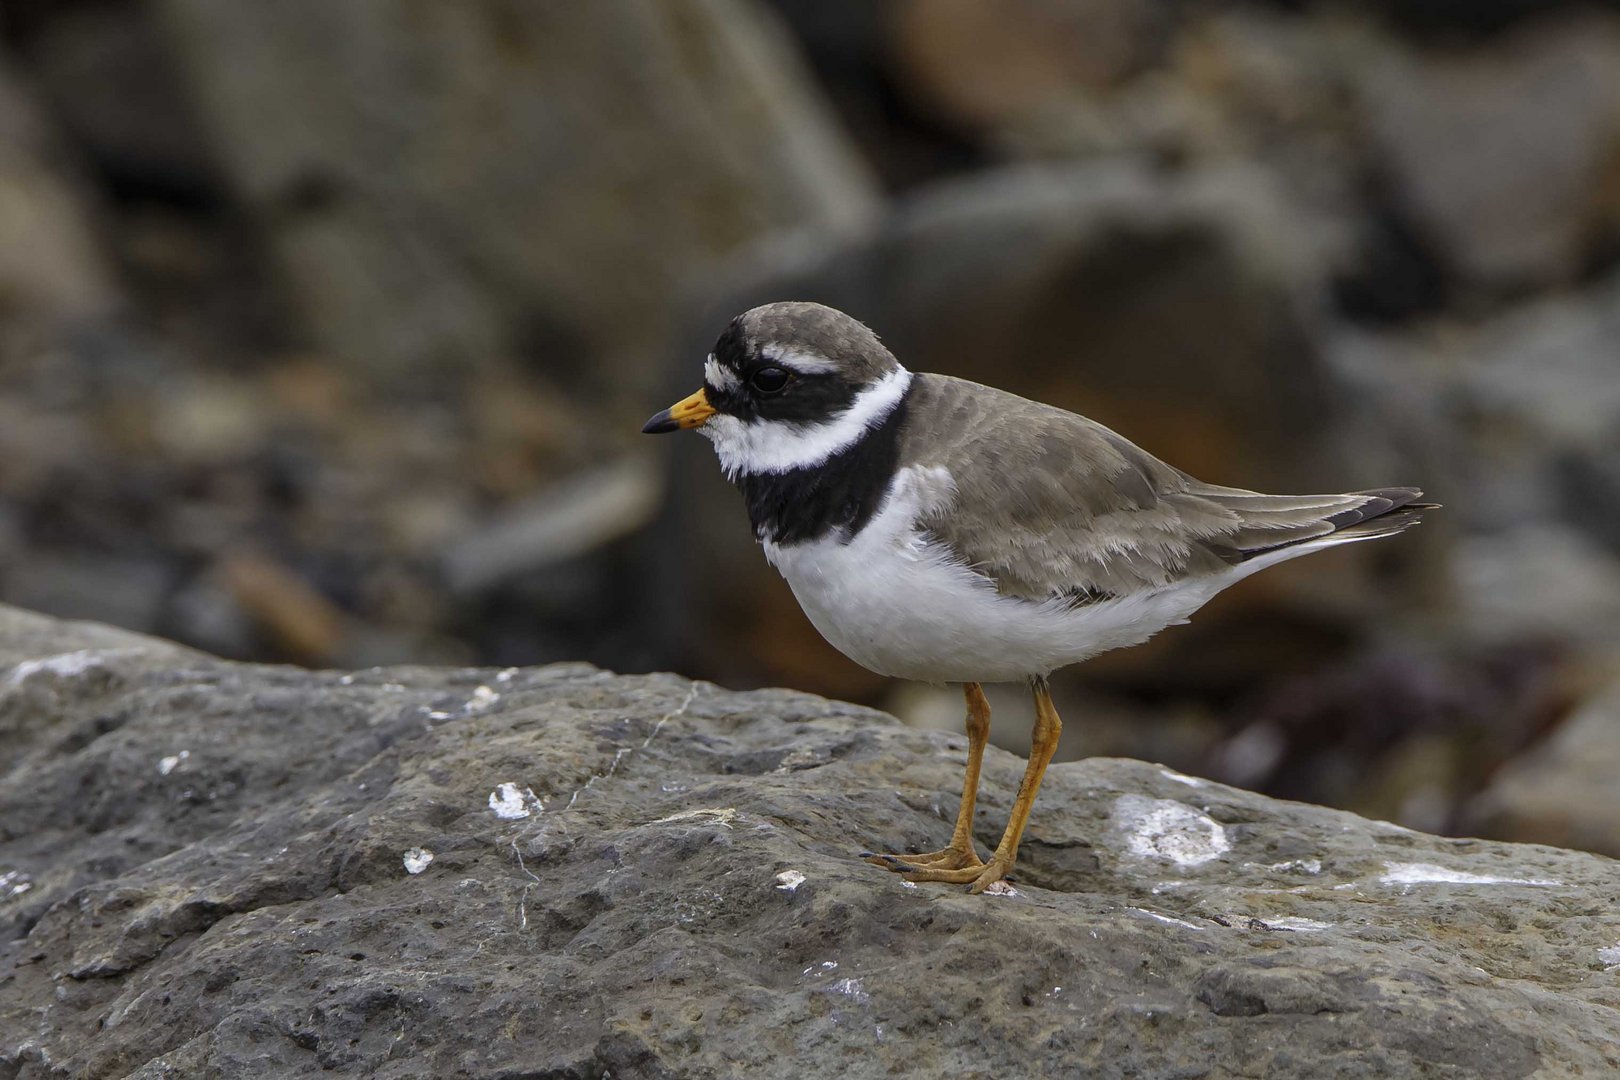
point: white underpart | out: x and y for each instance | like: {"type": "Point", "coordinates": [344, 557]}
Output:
{"type": "Point", "coordinates": [718, 375]}
{"type": "Point", "coordinates": [777, 446]}
{"type": "Point", "coordinates": [897, 602]}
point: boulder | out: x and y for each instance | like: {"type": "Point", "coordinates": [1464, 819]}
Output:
{"type": "Point", "coordinates": [447, 184]}
{"type": "Point", "coordinates": [53, 273]}
{"type": "Point", "coordinates": [1543, 581]}
{"type": "Point", "coordinates": [1430, 168]}
{"type": "Point", "coordinates": [112, 85]}
{"type": "Point", "coordinates": [1518, 418]}
{"type": "Point", "coordinates": [1504, 157]}
{"type": "Point", "coordinates": [991, 68]}
{"type": "Point", "coordinates": [210, 868]}
{"type": "Point", "coordinates": [1562, 791]}
{"type": "Point", "coordinates": [1523, 411]}
{"type": "Point", "coordinates": [1536, 390]}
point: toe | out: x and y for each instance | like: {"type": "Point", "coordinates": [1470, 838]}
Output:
{"type": "Point", "coordinates": [956, 876]}
{"type": "Point", "coordinates": [899, 864]}
{"type": "Point", "coordinates": [988, 875]}
{"type": "Point", "coordinates": [944, 859]}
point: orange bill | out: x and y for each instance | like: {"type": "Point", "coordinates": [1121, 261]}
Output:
{"type": "Point", "coordinates": [689, 412]}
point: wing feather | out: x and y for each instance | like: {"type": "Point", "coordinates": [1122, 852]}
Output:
{"type": "Point", "coordinates": [1049, 503]}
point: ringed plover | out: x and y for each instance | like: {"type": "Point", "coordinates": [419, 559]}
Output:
{"type": "Point", "coordinates": [940, 530]}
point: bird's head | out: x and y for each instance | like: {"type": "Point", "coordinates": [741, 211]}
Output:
{"type": "Point", "coordinates": [787, 386]}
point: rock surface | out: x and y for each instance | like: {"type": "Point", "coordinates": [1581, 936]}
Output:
{"type": "Point", "coordinates": [218, 869]}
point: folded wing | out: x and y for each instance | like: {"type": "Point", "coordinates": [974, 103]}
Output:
{"type": "Point", "coordinates": [1049, 503]}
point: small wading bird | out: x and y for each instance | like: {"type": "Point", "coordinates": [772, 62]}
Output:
{"type": "Point", "coordinates": [940, 530]}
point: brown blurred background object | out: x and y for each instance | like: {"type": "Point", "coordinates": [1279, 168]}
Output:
{"type": "Point", "coordinates": [328, 329]}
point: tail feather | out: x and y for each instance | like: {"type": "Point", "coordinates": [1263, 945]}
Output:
{"type": "Point", "coordinates": [1270, 523]}
{"type": "Point", "coordinates": [1379, 503]}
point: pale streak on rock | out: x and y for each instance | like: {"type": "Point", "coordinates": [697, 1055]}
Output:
{"type": "Point", "coordinates": [1294, 923]}
{"type": "Point", "coordinates": [1396, 873]}
{"type": "Point", "coordinates": [1168, 830]}
{"type": "Point", "coordinates": [63, 665]}
{"type": "Point", "coordinates": [1170, 920]}
{"type": "Point", "coordinates": [720, 815]}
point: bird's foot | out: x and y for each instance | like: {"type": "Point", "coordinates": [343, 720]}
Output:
{"type": "Point", "coordinates": [952, 865]}
{"type": "Point", "coordinates": [951, 858]}
{"type": "Point", "coordinates": [977, 876]}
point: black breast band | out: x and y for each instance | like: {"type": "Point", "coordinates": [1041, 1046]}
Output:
{"type": "Point", "coordinates": [842, 493]}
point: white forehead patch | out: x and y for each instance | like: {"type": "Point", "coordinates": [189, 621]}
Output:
{"type": "Point", "coordinates": [718, 375]}
{"type": "Point", "coordinates": [778, 446]}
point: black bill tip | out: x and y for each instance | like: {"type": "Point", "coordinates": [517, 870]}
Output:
{"type": "Point", "coordinates": [660, 424]}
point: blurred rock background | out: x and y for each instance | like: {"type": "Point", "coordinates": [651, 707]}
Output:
{"type": "Point", "coordinates": [328, 328]}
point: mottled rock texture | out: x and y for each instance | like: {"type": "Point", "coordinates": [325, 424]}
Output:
{"type": "Point", "coordinates": [214, 869]}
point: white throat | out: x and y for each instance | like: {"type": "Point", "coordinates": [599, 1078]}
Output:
{"type": "Point", "coordinates": [778, 446]}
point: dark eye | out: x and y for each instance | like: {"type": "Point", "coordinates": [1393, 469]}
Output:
{"type": "Point", "coordinates": [770, 380]}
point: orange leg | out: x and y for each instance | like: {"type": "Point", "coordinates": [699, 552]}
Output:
{"type": "Point", "coordinates": [960, 853]}
{"type": "Point", "coordinates": [1047, 729]}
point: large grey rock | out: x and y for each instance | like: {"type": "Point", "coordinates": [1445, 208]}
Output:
{"type": "Point", "coordinates": [1563, 791]}
{"type": "Point", "coordinates": [1538, 391]}
{"type": "Point", "coordinates": [1534, 410]}
{"type": "Point", "coordinates": [992, 67]}
{"type": "Point", "coordinates": [115, 91]}
{"type": "Point", "coordinates": [221, 869]}
{"type": "Point", "coordinates": [1543, 581]}
{"type": "Point", "coordinates": [1520, 414]}
{"type": "Point", "coordinates": [53, 273]}
{"type": "Point", "coordinates": [1427, 170]}
{"type": "Point", "coordinates": [447, 183]}
{"type": "Point", "coordinates": [1504, 156]}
